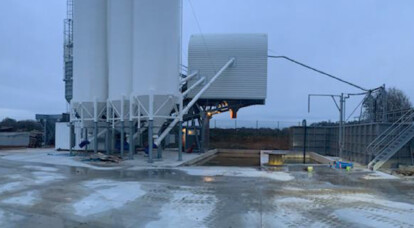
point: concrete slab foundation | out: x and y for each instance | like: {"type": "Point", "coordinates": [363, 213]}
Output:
{"type": "Point", "coordinates": [71, 193]}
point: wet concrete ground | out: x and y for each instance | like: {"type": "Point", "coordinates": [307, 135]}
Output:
{"type": "Point", "coordinates": [41, 195]}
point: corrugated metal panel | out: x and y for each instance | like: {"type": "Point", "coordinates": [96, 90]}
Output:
{"type": "Point", "coordinates": [246, 79]}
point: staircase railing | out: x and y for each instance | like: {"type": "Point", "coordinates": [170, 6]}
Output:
{"type": "Point", "coordinates": [382, 145]}
{"type": "Point", "coordinates": [387, 135]}
{"type": "Point", "coordinates": [391, 148]}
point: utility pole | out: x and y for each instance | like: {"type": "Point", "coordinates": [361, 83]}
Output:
{"type": "Point", "coordinates": [341, 124]}
{"type": "Point", "coordinates": [341, 106]}
{"type": "Point", "coordinates": [341, 109]}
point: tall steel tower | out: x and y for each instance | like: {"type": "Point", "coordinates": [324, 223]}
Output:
{"type": "Point", "coordinates": [68, 52]}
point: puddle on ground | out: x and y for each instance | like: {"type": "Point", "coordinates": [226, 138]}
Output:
{"type": "Point", "coordinates": [150, 175]}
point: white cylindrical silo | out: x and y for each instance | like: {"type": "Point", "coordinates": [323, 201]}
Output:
{"type": "Point", "coordinates": [119, 52]}
{"type": "Point", "coordinates": [89, 53]}
{"type": "Point", "coordinates": [156, 46]}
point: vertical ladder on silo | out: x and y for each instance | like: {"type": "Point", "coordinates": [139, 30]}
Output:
{"type": "Point", "coordinates": [391, 140]}
{"type": "Point", "coordinates": [68, 51]}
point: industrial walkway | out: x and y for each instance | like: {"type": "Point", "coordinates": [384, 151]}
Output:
{"type": "Point", "coordinates": [44, 195]}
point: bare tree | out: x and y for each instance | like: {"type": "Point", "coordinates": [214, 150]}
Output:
{"type": "Point", "coordinates": [377, 105]}
{"type": "Point", "coordinates": [397, 100]}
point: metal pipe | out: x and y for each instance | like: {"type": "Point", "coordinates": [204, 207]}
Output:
{"type": "Point", "coordinates": [193, 87]}
{"type": "Point", "coordinates": [189, 77]}
{"type": "Point", "coordinates": [193, 101]}
{"type": "Point", "coordinates": [207, 86]}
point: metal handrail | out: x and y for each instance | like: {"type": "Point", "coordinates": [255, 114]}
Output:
{"type": "Point", "coordinates": [391, 137]}
{"type": "Point", "coordinates": [392, 115]}
{"type": "Point", "coordinates": [396, 131]}
{"type": "Point", "coordinates": [391, 140]}
{"type": "Point", "coordinates": [386, 146]}
{"type": "Point", "coordinates": [395, 137]}
{"type": "Point", "coordinates": [390, 130]}
{"type": "Point", "coordinates": [395, 123]}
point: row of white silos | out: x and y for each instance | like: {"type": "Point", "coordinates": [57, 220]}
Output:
{"type": "Point", "coordinates": [123, 49]}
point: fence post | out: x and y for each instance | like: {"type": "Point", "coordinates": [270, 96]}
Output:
{"type": "Point", "coordinates": [235, 124]}
{"type": "Point", "coordinates": [278, 127]}
{"type": "Point", "coordinates": [304, 141]}
{"type": "Point", "coordinates": [257, 124]}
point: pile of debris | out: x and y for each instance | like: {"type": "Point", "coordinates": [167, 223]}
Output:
{"type": "Point", "coordinates": [405, 170]}
{"type": "Point", "coordinates": [105, 158]}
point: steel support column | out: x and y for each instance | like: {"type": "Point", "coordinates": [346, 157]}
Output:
{"type": "Point", "coordinates": [180, 140]}
{"type": "Point", "coordinates": [95, 135]}
{"type": "Point", "coordinates": [150, 140]}
{"type": "Point", "coordinates": [122, 138]}
{"type": "Point", "coordinates": [113, 139]}
{"type": "Point", "coordinates": [131, 140]}
{"type": "Point", "coordinates": [108, 138]}
{"type": "Point", "coordinates": [205, 132]}
{"type": "Point", "coordinates": [159, 151]}
{"type": "Point", "coordinates": [86, 138]}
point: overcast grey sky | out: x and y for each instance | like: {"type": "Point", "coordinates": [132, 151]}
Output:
{"type": "Point", "coordinates": [368, 42]}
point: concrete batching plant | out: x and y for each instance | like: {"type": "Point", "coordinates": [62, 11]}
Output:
{"type": "Point", "coordinates": [127, 80]}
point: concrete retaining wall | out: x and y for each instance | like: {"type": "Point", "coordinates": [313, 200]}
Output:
{"type": "Point", "coordinates": [324, 140]}
{"type": "Point", "coordinates": [14, 139]}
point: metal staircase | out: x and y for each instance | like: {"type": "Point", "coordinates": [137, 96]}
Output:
{"type": "Point", "coordinates": [391, 140]}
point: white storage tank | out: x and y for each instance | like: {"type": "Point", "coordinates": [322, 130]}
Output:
{"type": "Point", "coordinates": [119, 53]}
{"type": "Point", "coordinates": [157, 52]}
{"type": "Point", "coordinates": [90, 82]}
{"type": "Point", "coordinates": [245, 80]}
